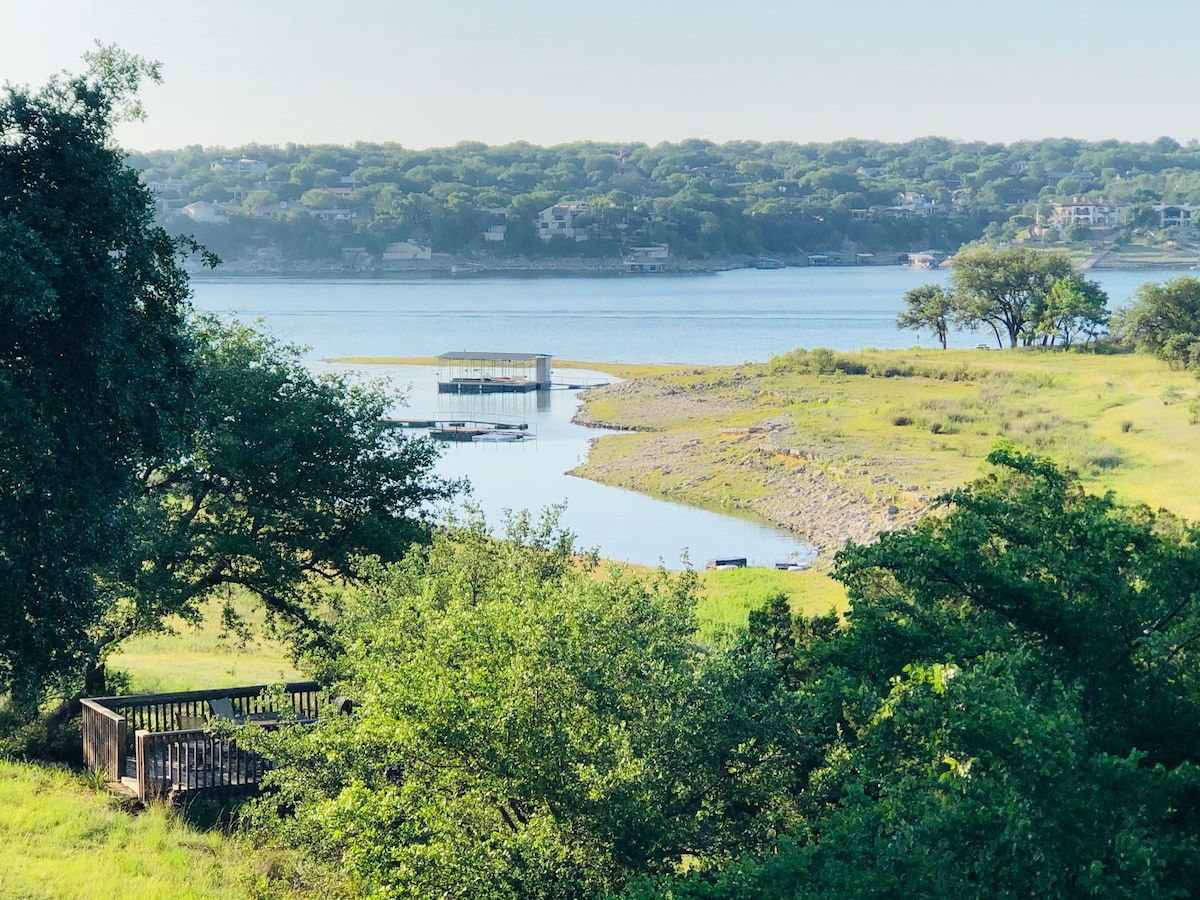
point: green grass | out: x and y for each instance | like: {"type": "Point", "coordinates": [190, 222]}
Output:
{"type": "Point", "coordinates": [1121, 421]}
{"type": "Point", "coordinates": [728, 595]}
{"type": "Point", "coordinates": [63, 841]}
{"type": "Point", "coordinates": [195, 657]}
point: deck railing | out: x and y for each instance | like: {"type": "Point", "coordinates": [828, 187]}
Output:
{"type": "Point", "coordinates": [104, 735]}
{"type": "Point", "coordinates": [170, 752]}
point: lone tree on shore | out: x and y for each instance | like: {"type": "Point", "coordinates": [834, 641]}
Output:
{"type": "Point", "coordinates": [1006, 290]}
{"type": "Point", "coordinates": [928, 307]}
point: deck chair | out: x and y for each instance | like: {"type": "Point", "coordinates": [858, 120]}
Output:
{"type": "Point", "coordinates": [222, 708]}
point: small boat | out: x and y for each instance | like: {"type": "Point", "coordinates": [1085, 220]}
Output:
{"type": "Point", "coordinates": [500, 437]}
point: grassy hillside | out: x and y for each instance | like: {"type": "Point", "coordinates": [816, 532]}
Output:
{"type": "Point", "coordinates": [63, 841]}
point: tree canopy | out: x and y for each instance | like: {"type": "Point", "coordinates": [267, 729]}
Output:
{"type": "Point", "coordinates": [1164, 319]}
{"type": "Point", "coordinates": [1015, 707]}
{"type": "Point", "coordinates": [96, 365]}
{"type": "Point", "coordinates": [1022, 295]}
{"type": "Point", "coordinates": [703, 198]}
{"type": "Point", "coordinates": [148, 456]}
{"type": "Point", "coordinates": [528, 728]}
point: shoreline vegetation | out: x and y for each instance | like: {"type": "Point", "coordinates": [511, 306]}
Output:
{"type": "Point", "coordinates": [840, 446]}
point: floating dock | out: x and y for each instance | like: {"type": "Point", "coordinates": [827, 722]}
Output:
{"type": "Point", "coordinates": [483, 372]}
{"type": "Point", "coordinates": [463, 430]}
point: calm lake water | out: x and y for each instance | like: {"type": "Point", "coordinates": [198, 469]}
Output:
{"type": "Point", "coordinates": [732, 317]}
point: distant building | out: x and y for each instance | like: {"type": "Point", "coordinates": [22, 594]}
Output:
{"type": "Point", "coordinates": [825, 258]}
{"type": "Point", "coordinates": [1176, 215]}
{"type": "Point", "coordinates": [203, 211]}
{"type": "Point", "coordinates": [910, 204]}
{"type": "Point", "coordinates": [402, 251]}
{"type": "Point", "coordinates": [647, 259]}
{"type": "Point", "coordinates": [1093, 213]}
{"type": "Point", "coordinates": [871, 171]}
{"type": "Point", "coordinates": [928, 259]}
{"type": "Point", "coordinates": [496, 227]}
{"type": "Point", "coordinates": [860, 215]}
{"type": "Point", "coordinates": [243, 166]}
{"type": "Point", "coordinates": [560, 220]}
{"type": "Point", "coordinates": [330, 216]}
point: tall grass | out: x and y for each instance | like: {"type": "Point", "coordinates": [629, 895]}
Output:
{"type": "Point", "coordinates": [61, 840]}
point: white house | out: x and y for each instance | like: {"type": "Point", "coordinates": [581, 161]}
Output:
{"type": "Point", "coordinates": [243, 166]}
{"type": "Point", "coordinates": [910, 204]}
{"type": "Point", "coordinates": [560, 220]}
{"type": "Point", "coordinates": [1177, 215]}
{"type": "Point", "coordinates": [203, 211]}
{"type": "Point", "coordinates": [497, 227]}
{"type": "Point", "coordinates": [1093, 213]}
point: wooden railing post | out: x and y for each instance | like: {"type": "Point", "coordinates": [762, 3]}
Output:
{"type": "Point", "coordinates": [140, 750]}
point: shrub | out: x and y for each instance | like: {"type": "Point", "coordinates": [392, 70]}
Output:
{"type": "Point", "coordinates": [901, 421]}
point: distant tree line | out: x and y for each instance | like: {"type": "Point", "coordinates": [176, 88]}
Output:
{"type": "Point", "coordinates": [703, 198]}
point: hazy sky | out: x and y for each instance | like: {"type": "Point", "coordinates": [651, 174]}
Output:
{"type": "Point", "coordinates": [434, 73]}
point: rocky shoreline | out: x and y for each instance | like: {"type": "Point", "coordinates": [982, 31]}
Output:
{"type": "Point", "coordinates": [797, 487]}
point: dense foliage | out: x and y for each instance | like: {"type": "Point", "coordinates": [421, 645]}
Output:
{"type": "Point", "coordinates": [1016, 707]}
{"type": "Point", "coordinates": [1009, 709]}
{"type": "Point", "coordinates": [529, 728]}
{"type": "Point", "coordinates": [95, 361]}
{"type": "Point", "coordinates": [147, 457]}
{"type": "Point", "coordinates": [704, 199]}
{"type": "Point", "coordinates": [1164, 319]}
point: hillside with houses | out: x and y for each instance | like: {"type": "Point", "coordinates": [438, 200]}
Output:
{"type": "Point", "coordinates": [693, 204]}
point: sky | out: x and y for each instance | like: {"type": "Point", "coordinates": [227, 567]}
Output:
{"type": "Point", "coordinates": [433, 73]}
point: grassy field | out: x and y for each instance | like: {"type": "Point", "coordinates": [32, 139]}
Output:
{"type": "Point", "coordinates": [1124, 422]}
{"type": "Point", "coordinates": [194, 657]}
{"type": "Point", "coordinates": [62, 840]}
{"type": "Point", "coordinates": [728, 596]}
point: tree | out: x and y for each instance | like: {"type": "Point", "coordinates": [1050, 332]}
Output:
{"type": "Point", "coordinates": [284, 481]}
{"type": "Point", "coordinates": [527, 727]}
{"type": "Point", "coordinates": [928, 307]}
{"type": "Point", "coordinates": [1006, 289]}
{"type": "Point", "coordinates": [95, 364]}
{"type": "Point", "coordinates": [1075, 306]}
{"type": "Point", "coordinates": [1159, 313]}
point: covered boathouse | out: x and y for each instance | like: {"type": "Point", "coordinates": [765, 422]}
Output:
{"type": "Point", "coordinates": [480, 372]}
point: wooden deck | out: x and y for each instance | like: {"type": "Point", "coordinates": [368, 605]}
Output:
{"type": "Point", "coordinates": [159, 745]}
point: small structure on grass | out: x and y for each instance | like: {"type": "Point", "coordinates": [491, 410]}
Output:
{"type": "Point", "coordinates": [160, 745]}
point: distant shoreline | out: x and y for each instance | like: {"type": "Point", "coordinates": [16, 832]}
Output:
{"type": "Point", "coordinates": [234, 272]}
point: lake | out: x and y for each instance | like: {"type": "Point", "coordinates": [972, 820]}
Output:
{"type": "Point", "coordinates": [732, 317]}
